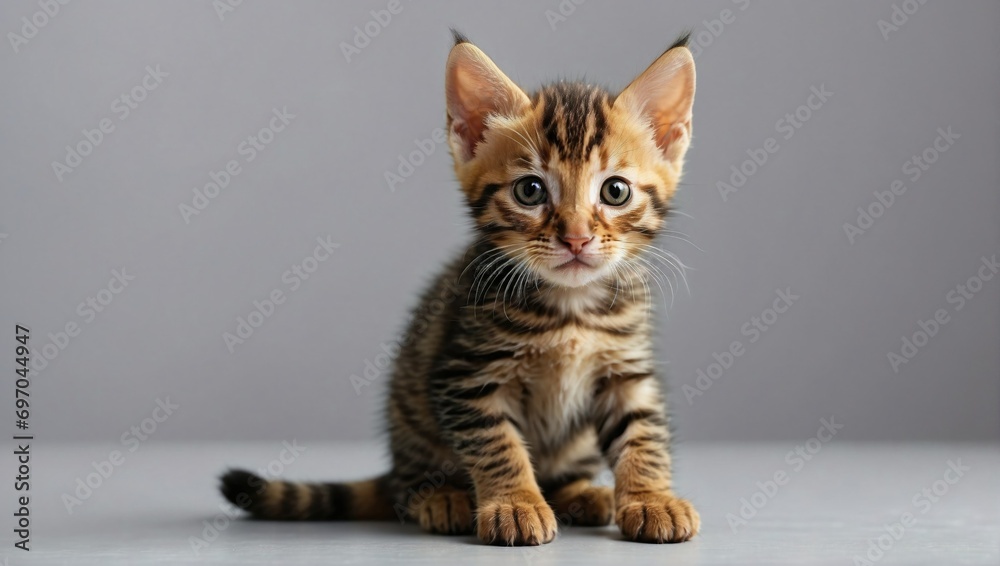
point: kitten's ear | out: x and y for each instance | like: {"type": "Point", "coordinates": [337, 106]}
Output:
{"type": "Point", "coordinates": [664, 95]}
{"type": "Point", "coordinates": [476, 88]}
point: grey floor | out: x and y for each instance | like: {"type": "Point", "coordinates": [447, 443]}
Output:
{"type": "Point", "coordinates": [153, 506]}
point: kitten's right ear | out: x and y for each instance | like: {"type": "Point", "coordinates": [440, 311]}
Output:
{"type": "Point", "coordinates": [476, 88]}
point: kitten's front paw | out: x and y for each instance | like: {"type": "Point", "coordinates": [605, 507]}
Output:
{"type": "Point", "coordinates": [519, 519]}
{"type": "Point", "coordinates": [658, 518]}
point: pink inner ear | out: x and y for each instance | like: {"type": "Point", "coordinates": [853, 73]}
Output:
{"type": "Point", "coordinates": [673, 142]}
{"type": "Point", "coordinates": [460, 128]}
{"type": "Point", "coordinates": [670, 137]}
{"type": "Point", "coordinates": [475, 87]}
{"type": "Point", "coordinates": [470, 127]}
{"type": "Point", "coordinates": [467, 115]}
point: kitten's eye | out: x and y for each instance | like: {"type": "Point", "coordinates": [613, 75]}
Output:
{"type": "Point", "coordinates": [529, 191]}
{"type": "Point", "coordinates": [615, 191]}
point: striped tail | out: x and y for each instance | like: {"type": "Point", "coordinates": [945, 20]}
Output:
{"type": "Point", "coordinates": [367, 500]}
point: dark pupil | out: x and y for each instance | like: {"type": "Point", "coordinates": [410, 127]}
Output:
{"type": "Point", "coordinates": [530, 189]}
{"type": "Point", "coordinates": [615, 191]}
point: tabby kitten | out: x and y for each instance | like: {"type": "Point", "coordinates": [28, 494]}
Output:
{"type": "Point", "coordinates": [505, 404]}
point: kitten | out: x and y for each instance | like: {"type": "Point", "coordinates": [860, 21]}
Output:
{"type": "Point", "coordinates": [505, 403]}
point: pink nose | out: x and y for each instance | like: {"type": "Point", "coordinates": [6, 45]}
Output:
{"type": "Point", "coordinates": [576, 243]}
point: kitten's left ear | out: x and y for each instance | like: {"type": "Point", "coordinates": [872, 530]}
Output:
{"type": "Point", "coordinates": [476, 89]}
{"type": "Point", "coordinates": [664, 95]}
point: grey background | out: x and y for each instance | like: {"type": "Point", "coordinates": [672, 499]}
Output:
{"type": "Point", "coordinates": [324, 175]}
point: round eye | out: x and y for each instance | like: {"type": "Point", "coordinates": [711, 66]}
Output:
{"type": "Point", "coordinates": [615, 191]}
{"type": "Point", "coordinates": [529, 191]}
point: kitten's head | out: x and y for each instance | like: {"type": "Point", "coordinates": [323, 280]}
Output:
{"type": "Point", "coordinates": [571, 182]}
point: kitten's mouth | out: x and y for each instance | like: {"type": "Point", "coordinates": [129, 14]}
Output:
{"type": "Point", "coordinates": [575, 272]}
{"type": "Point", "coordinates": [573, 264]}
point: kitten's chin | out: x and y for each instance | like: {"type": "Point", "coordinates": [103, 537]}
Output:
{"type": "Point", "coordinates": [573, 274]}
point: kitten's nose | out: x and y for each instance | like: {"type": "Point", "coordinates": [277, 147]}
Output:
{"type": "Point", "coordinates": [575, 243]}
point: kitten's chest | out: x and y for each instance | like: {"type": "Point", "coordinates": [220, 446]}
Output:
{"type": "Point", "coordinates": [557, 388]}
{"type": "Point", "coordinates": [553, 385]}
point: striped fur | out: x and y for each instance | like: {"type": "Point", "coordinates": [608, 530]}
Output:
{"type": "Point", "coordinates": [529, 366]}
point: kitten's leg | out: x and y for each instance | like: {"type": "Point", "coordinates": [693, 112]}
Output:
{"type": "Point", "coordinates": [426, 484]}
{"type": "Point", "coordinates": [582, 503]}
{"type": "Point", "coordinates": [510, 507]}
{"type": "Point", "coordinates": [447, 511]}
{"type": "Point", "coordinates": [565, 475]}
{"type": "Point", "coordinates": [634, 438]}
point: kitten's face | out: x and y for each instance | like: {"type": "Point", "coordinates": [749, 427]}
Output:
{"type": "Point", "coordinates": [572, 183]}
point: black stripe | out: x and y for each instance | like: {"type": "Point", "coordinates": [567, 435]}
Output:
{"type": "Point", "coordinates": [648, 472]}
{"type": "Point", "coordinates": [289, 501]}
{"type": "Point", "coordinates": [551, 486]}
{"type": "Point", "coordinates": [465, 365]}
{"type": "Point", "coordinates": [620, 304]}
{"type": "Point", "coordinates": [517, 522]}
{"type": "Point", "coordinates": [449, 373]}
{"type": "Point", "coordinates": [473, 446]}
{"type": "Point", "coordinates": [600, 124]}
{"type": "Point", "coordinates": [478, 422]}
{"type": "Point", "coordinates": [471, 393]}
{"type": "Point", "coordinates": [396, 397]}
{"type": "Point", "coordinates": [489, 191]}
{"type": "Point", "coordinates": [615, 432]}
{"type": "Point", "coordinates": [656, 439]}
{"type": "Point", "coordinates": [447, 513]}
{"type": "Point", "coordinates": [639, 376]}
{"type": "Point", "coordinates": [515, 326]}
{"type": "Point", "coordinates": [492, 229]}
{"type": "Point", "coordinates": [488, 356]}
{"type": "Point", "coordinates": [317, 506]}
{"type": "Point", "coordinates": [658, 204]}
{"type": "Point", "coordinates": [627, 330]}
{"type": "Point", "coordinates": [549, 119]}
{"type": "Point", "coordinates": [410, 477]}
{"type": "Point", "coordinates": [500, 468]}
{"type": "Point", "coordinates": [341, 497]}
{"type": "Point", "coordinates": [533, 304]}
{"type": "Point", "coordinates": [595, 460]}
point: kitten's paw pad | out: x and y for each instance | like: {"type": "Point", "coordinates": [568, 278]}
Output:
{"type": "Point", "coordinates": [657, 518]}
{"type": "Point", "coordinates": [518, 520]}
{"type": "Point", "coordinates": [592, 507]}
{"type": "Point", "coordinates": [447, 513]}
